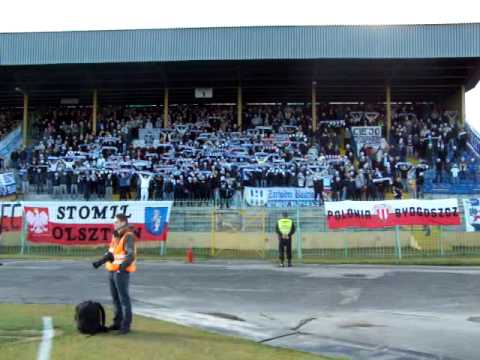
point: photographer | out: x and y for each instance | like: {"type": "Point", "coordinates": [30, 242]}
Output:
{"type": "Point", "coordinates": [120, 261]}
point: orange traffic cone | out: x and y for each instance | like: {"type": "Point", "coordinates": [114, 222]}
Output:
{"type": "Point", "coordinates": [189, 255]}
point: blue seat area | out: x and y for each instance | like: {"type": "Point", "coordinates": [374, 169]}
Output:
{"type": "Point", "coordinates": [464, 186]}
{"type": "Point", "coordinates": [446, 188]}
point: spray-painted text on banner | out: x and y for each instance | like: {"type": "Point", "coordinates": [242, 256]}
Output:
{"type": "Point", "coordinates": [377, 214]}
{"type": "Point", "coordinates": [85, 223]}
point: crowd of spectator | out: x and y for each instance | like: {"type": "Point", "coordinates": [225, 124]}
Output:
{"type": "Point", "coordinates": [438, 139]}
{"type": "Point", "coordinates": [203, 156]}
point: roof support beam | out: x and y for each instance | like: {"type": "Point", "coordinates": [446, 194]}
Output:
{"type": "Point", "coordinates": [165, 108]}
{"type": "Point", "coordinates": [94, 111]}
{"type": "Point", "coordinates": [388, 91]}
{"type": "Point", "coordinates": [314, 106]}
{"type": "Point", "coordinates": [239, 107]}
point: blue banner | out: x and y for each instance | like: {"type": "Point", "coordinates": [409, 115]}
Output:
{"type": "Point", "coordinates": [8, 186]}
{"type": "Point", "coordinates": [280, 197]}
{"type": "Point", "coordinates": [11, 142]}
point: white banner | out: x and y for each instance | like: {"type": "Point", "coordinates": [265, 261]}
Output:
{"type": "Point", "coordinates": [8, 185]}
{"type": "Point", "coordinates": [356, 115]}
{"type": "Point", "coordinates": [203, 93]}
{"type": "Point", "coordinates": [367, 135]}
{"type": "Point", "coordinates": [472, 214]}
{"type": "Point", "coordinates": [149, 135]}
{"type": "Point", "coordinates": [372, 116]}
{"type": "Point", "coordinates": [452, 115]}
{"type": "Point", "coordinates": [280, 197]}
{"type": "Point", "coordinates": [91, 222]}
{"type": "Point", "coordinates": [333, 123]}
{"type": "Point", "coordinates": [377, 214]}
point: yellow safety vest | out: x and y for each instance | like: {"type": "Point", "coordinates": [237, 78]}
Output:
{"type": "Point", "coordinates": [117, 248]}
{"type": "Point", "coordinates": [285, 225]}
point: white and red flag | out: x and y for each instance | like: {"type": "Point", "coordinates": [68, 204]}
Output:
{"type": "Point", "coordinates": [90, 223]}
{"type": "Point", "coordinates": [378, 214]}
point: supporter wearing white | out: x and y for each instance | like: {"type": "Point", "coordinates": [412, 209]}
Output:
{"type": "Point", "coordinates": [101, 162]}
{"type": "Point", "coordinates": [301, 180]}
{"type": "Point", "coordinates": [145, 179]}
{"type": "Point", "coordinates": [455, 171]}
{"type": "Point", "coordinates": [309, 179]}
{"type": "Point", "coordinates": [70, 152]}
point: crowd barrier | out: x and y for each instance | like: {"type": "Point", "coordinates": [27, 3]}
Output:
{"type": "Point", "coordinates": [250, 232]}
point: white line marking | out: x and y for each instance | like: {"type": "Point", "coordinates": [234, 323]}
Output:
{"type": "Point", "coordinates": [48, 334]}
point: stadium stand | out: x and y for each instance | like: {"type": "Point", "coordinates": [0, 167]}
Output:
{"type": "Point", "coordinates": [202, 156]}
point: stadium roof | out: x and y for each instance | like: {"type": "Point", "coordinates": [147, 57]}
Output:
{"type": "Point", "coordinates": [272, 64]}
{"type": "Point", "coordinates": [242, 43]}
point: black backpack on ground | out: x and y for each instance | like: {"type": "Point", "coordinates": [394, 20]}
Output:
{"type": "Point", "coordinates": [90, 318]}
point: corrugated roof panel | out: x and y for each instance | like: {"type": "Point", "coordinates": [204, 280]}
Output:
{"type": "Point", "coordinates": [248, 43]}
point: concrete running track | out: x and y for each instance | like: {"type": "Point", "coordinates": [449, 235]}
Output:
{"type": "Point", "coordinates": [354, 311]}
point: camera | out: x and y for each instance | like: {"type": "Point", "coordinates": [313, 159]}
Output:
{"type": "Point", "coordinates": [105, 258]}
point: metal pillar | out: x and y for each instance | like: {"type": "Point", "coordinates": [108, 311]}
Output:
{"type": "Point", "coordinates": [314, 106]}
{"type": "Point", "coordinates": [239, 108]}
{"type": "Point", "coordinates": [25, 119]}
{"type": "Point", "coordinates": [299, 237]}
{"type": "Point", "coordinates": [398, 244]}
{"type": "Point", "coordinates": [165, 108]}
{"type": "Point", "coordinates": [94, 111]}
{"type": "Point", "coordinates": [388, 91]}
{"type": "Point", "coordinates": [462, 105]}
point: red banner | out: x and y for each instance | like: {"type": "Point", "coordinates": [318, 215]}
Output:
{"type": "Point", "coordinates": [379, 214]}
{"type": "Point", "coordinates": [91, 223]}
{"type": "Point", "coordinates": [11, 216]}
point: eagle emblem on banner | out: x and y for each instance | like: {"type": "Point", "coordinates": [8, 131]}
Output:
{"type": "Point", "coordinates": [37, 220]}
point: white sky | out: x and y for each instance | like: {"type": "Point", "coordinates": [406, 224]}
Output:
{"type": "Point", "coordinates": [61, 15]}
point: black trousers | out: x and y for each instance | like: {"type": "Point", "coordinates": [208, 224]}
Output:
{"type": "Point", "coordinates": [124, 193]}
{"type": "Point", "coordinates": [282, 245]}
{"type": "Point", "coordinates": [318, 194]}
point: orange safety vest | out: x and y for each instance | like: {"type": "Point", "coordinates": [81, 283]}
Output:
{"type": "Point", "coordinates": [117, 248]}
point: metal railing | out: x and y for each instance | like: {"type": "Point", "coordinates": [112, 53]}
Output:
{"type": "Point", "coordinates": [250, 233]}
{"type": "Point", "coordinates": [473, 140]}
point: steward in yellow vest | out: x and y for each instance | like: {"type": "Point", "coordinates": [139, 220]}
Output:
{"type": "Point", "coordinates": [285, 229]}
